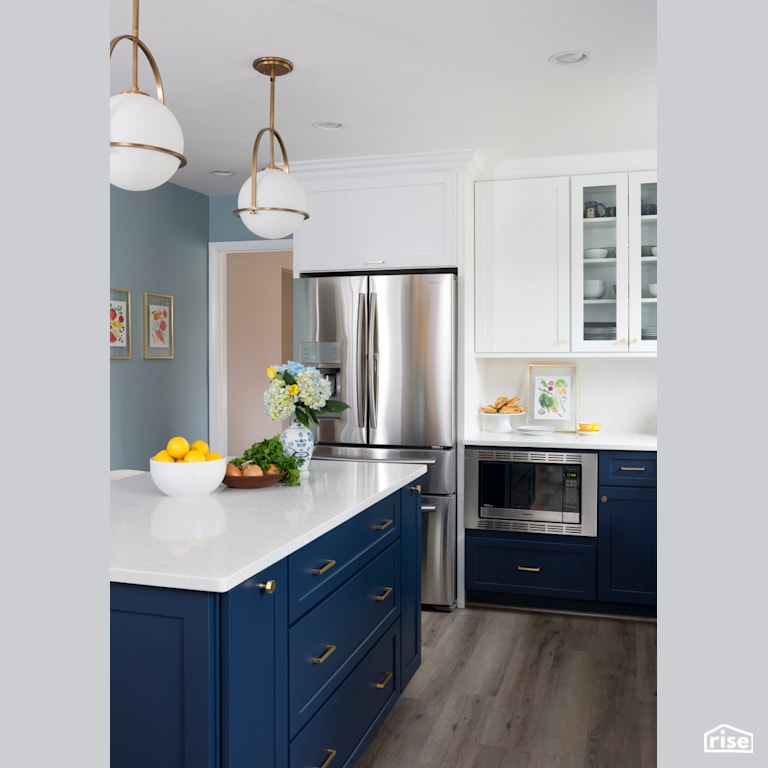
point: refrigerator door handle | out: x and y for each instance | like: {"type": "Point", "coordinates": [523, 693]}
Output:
{"type": "Point", "coordinates": [373, 359]}
{"type": "Point", "coordinates": [362, 354]}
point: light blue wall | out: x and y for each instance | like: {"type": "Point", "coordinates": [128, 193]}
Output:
{"type": "Point", "coordinates": [159, 244]}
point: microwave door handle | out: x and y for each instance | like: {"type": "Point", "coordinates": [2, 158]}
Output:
{"type": "Point", "coordinates": [362, 381]}
{"type": "Point", "coordinates": [373, 356]}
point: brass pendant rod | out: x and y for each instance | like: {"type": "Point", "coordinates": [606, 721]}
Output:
{"type": "Point", "coordinates": [272, 121]}
{"type": "Point", "coordinates": [135, 54]}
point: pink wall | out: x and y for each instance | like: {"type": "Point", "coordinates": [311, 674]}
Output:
{"type": "Point", "coordinates": [259, 309]}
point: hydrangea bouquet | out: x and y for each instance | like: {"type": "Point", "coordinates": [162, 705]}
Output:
{"type": "Point", "coordinates": [298, 391]}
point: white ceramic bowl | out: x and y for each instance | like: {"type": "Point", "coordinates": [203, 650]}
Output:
{"type": "Point", "coordinates": [653, 250]}
{"type": "Point", "coordinates": [652, 289]}
{"type": "Point", "coordinates": [192, 478]}
{"type": "Point", "coordinates": [595, 253]}
{"type": "Point", "coordinates": [594, 289]}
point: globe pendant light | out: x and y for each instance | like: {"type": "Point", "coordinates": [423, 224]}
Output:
{"type": "Point", "coordinates": [271, 202]}
{"type": "Point", "coordinates": [145, 138]}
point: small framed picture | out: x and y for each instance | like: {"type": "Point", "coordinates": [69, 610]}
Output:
{"type": "Point", "coordinates": [552, 396]}
{"type": "Point", "coordinates": [158, 326]}
{"type": "Point", "coordinates": [119, 324]}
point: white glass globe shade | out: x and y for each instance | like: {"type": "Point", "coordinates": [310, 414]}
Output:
{"type": "Point", "coordinates": [140, 119]}
{"type": "Point", "coordinates": [274, 189]}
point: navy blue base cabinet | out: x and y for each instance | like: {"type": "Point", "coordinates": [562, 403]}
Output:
{"type": "Point", "coordinates": [614, 573]}
{"type": "Point", "coordinates": [298, 664]}
{"type": "Point", "coordinates": [194, 676]}
{"type": "Point", "coordinates": [626, 528]}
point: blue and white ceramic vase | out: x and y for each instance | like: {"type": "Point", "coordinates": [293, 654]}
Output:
{"type": "Point", "coordinates": [299, 441]}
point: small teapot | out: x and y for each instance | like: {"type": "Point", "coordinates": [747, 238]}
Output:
{"type": "Point", "coordinates": [593, 210]}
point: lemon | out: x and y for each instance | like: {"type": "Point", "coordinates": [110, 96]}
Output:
{"type": "Point", "coordinates": [193, 455]}
{"type": "Point", "coordinates": [163, 456]}
{"type": "Point", "coordinates": [177, 447]}
{"type": "Point", "coordinates": [200, 445]}
{"type": "Point", "coordinates": [213, 456]}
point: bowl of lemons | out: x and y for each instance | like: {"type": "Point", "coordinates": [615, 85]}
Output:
{"type": "Point", "coordinates": [187, 469]}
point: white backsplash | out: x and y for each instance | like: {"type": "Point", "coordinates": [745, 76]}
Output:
{"type": "Point", "coordinates": [618, 393]}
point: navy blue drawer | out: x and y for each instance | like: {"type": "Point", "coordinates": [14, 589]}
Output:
{"type": "Point", "coordinates": [321, 566]}
{"type": "Point", "coordinates": [636, 468]}
{"type": "Point", "coordinates": [330, 640]}
{"type": "Point", "coordinates": [336, 733]}
{"type": "Point", "coordinates": [531, 568]}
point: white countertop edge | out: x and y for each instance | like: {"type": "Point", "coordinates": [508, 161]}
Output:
{"type": "Point", "coordinates": [286, 545]}
{"type": "Point", "coordinates": [601, 441]}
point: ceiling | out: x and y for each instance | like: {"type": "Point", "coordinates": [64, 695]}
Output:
{"type": "Point", "coordinates": [405, 76]}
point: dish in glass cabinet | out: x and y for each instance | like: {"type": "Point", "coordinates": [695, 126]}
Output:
{"type": "Point", "coordinates": [530, 429]}
{"type": "Point", "coordinates": [252, 481]}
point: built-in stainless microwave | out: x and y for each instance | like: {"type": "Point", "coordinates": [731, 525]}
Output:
{"type": "Point", "coordinates": [530, 491]}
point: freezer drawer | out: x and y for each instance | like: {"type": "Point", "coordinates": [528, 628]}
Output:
{"type": "Point", "coordinates": [438, 551]}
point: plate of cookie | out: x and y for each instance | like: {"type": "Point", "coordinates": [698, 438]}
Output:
{"type": "Point", "coordinates": [503, 414]}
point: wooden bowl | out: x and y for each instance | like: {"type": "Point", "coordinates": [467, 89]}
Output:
{"type": "Point", "coordinates": [252, 481]}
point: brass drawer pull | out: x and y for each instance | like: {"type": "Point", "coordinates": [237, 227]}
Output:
{"type": "Point", "coordinates": [327, 567]}
{"type": "Point", "coordinates": [387, 593]}
{"type": "Point", "coordinates": [383, 683]}
{"type": "Point", "coordinates": [269, 587]}
{"type": "Point", "coordinates": [329, 649]}
{"type": "Point", "coordinates": [530, 570]}
{"type": "Point", "coordinates": [633, 469]}
{"type": "Point", "coordinates": [383, 526]}
{"type": "Point", "coordinates": [329, 759]}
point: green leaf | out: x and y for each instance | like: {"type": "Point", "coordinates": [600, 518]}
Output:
{"type": "Point", "coordinates": [268, 452]}
{"type": "Point", "coordinates": [334, 406]}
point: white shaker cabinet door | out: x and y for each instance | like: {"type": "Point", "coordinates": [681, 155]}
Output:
{"type": "Point", "coordinates": [522, 288]}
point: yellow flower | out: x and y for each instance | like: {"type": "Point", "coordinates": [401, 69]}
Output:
{"type": "Point", "coordinates": [293, 389]}
{"type": "Point", "coordinates": [271, 373]}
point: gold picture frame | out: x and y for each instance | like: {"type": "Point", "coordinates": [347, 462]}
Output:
{"type": "Point", "coordinates": [119, 324]}
{"type": "Point", "coordinates": [158, 326]}
{"type": "Point", "coordinates": [551, 396]}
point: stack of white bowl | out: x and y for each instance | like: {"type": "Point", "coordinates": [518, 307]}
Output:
{"type": "Point", "coordinates": [594, 289]}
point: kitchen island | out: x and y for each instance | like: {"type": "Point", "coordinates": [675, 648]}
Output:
{"type": "Point", "coordinates": [268, 627]}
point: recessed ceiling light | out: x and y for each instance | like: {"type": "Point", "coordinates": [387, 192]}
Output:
{"type": "Point", "coordinates": [222, 172]}
{"type": "Point", "coordinates": [568, 57]}
{"type": "Point", "coordinates": [327, 125]}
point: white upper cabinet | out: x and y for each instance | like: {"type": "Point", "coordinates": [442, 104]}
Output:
{"type": "Point", "coordinates": [383, 214]}
{"type": "Point", "coordinates": [613, 262]}
{"type": "Point", "coordinates": [522, 266]}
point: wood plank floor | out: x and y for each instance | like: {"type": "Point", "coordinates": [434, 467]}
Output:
{"type": "Point", "coordinates": [502, 688]}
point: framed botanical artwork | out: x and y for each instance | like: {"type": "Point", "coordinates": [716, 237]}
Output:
{"type": "Point", "coordinates": [119, 324]}
{"type": "Point", "coordinates": [552, 396]}
{"type": "Point", "coordinates": [158, 326]}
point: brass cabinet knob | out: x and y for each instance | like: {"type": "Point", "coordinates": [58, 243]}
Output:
{"type": "Point", "coordinates": [269, 587]}
{"type": "Point", "coordinates": [603, 499]}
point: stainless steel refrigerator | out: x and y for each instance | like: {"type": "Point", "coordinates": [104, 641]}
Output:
{"type": "Point", "coordinates": [387, 343]}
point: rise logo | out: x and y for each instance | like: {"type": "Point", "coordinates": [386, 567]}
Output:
{"type": "Point", "coordinates": [726, 738]}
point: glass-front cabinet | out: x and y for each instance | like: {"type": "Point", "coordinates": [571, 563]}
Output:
{"type": "Point", "coordinates": [613, 262]}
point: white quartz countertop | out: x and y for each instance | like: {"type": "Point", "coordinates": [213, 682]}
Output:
{"type": "Point", "coordinates": [213, 543]}
{"type": "Point", "coordinates": [600, 441]}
